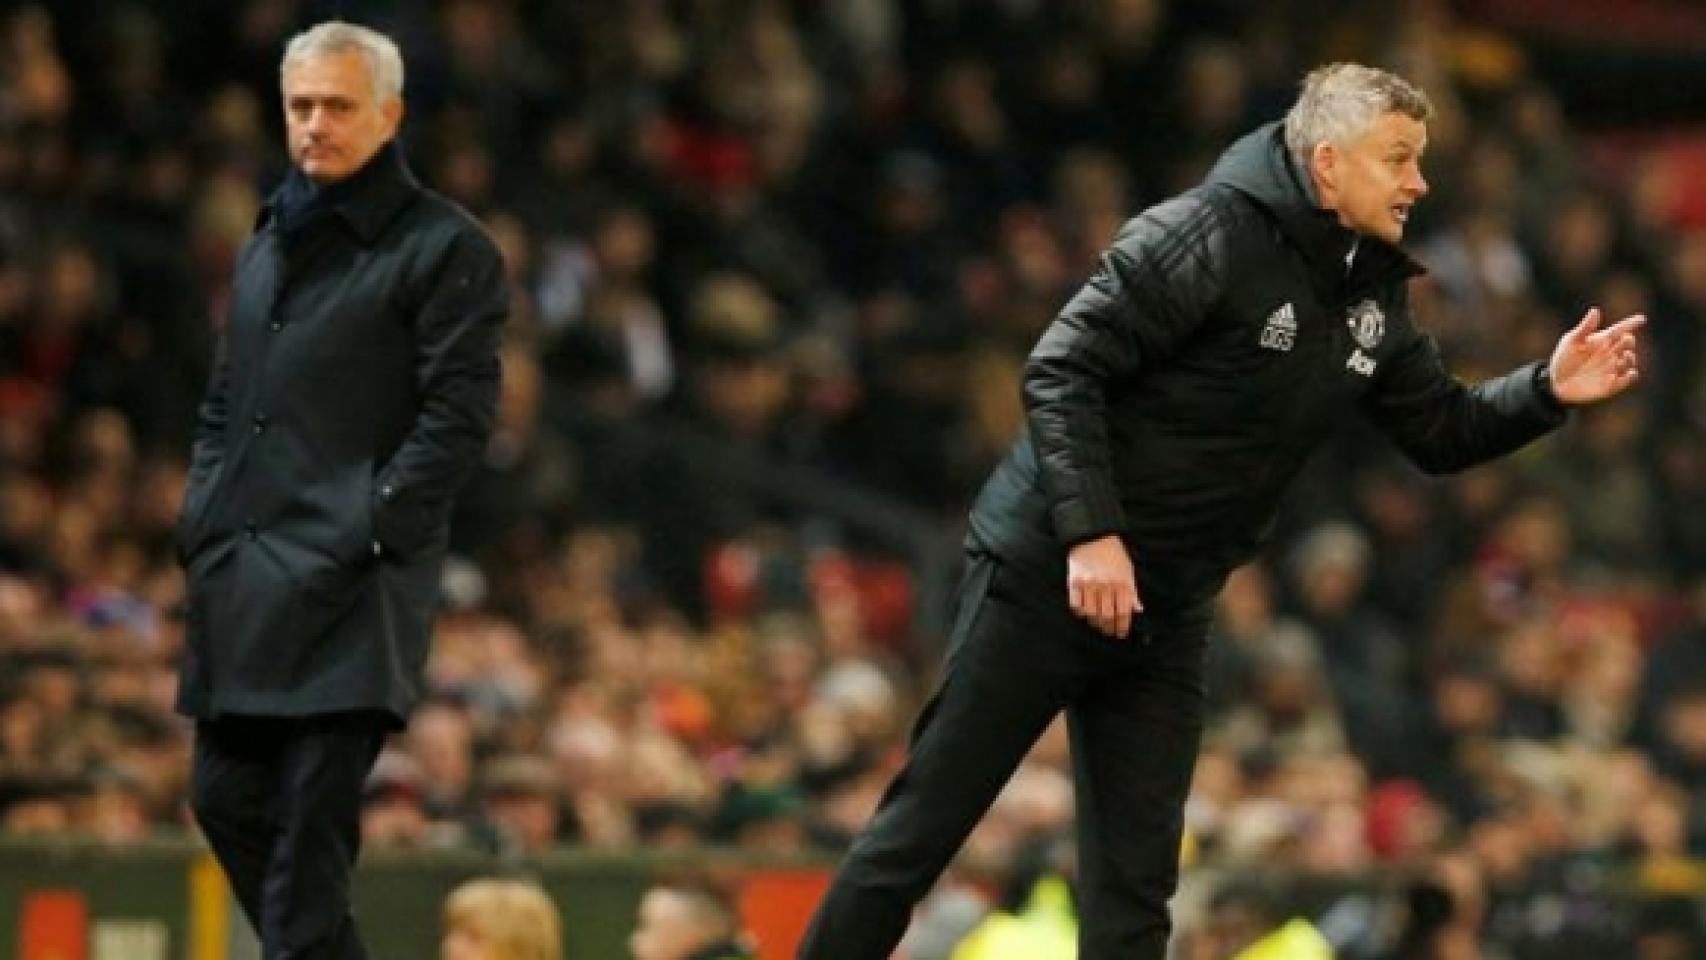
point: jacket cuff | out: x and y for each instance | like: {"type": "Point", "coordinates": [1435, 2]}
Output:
{"type": "Point", "coordinates": [1093, 512]}
{"type": "Point", "coordinates": [1545, 399]}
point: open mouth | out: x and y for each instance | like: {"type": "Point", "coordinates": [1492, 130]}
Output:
{"type": "Point", "coordinates": [1401, 212]}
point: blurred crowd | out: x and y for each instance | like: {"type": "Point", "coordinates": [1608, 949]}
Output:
{"type": "Point", "coordinates": [817, 239]}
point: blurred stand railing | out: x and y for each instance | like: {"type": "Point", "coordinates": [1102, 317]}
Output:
{"type": "Point", "coordinates": [929, 545]}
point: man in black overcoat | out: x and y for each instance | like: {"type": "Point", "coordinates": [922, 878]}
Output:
{"type": "Point", "coordinates": [354, 386]}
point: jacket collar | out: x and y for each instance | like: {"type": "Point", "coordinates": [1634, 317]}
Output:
{"type": "Point", "coordinates": [1261, 167]}
{"type": "Point", "coordinates": [367, 200]}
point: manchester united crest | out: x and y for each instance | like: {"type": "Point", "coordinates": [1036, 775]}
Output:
{"type": "Point", "coordinates": [1367, 323]}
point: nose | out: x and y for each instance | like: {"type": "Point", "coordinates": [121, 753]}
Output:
{"type": "Point", "coordinates": [1416, 182]}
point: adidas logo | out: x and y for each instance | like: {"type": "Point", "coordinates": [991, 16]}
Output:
{"type": "Point", "coordinates": [1280, 332]}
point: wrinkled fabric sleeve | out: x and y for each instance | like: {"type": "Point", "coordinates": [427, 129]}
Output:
{"type": "Point", "coordinates": [1444, 425]}
{"type": "Point", "coordinates": [457, 377]}
{"type": "Point", "coordinates": [1150, 291]}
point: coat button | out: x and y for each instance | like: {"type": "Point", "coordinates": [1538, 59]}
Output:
{"type": "Point", "coordinates": [260, 421]}
{"type": "Point", "coordinates": [251, 530]}
{"type": "Point", "coordinates": [276, 326]}
{"type": "Point", "coordinates": [387, 493]}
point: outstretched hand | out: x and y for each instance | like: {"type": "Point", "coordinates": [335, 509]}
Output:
{"type": "Point", "coordinates": [1590, 364]}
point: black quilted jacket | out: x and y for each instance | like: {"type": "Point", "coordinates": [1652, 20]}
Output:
{"type": "Point", "coordinates": [1225, 333]}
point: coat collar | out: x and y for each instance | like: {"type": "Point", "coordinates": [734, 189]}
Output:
{"type": "Point", "coordinates": [367, 200]}
{"type": "Point", "coordinates": [1261, 167]}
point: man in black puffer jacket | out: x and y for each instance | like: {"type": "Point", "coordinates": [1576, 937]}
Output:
{"type": "Point", "coordinates": [1226, 332]}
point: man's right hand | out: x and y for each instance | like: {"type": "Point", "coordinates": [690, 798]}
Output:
{"type": "Point", "coordinates": [1101, 586]}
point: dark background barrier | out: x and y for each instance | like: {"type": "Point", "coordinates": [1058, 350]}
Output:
{"type": "Point", "coordinates": [73, 900]}
{"type": "Point", "coordinates": [166, 900]}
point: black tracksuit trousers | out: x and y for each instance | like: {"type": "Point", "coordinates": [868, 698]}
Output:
{"type": "Point", "coordinates": [1017, 656]}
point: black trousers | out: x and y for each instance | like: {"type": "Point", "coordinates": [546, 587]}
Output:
{"type": "Point", "coordinates": [1017, 656]}
{"type": "Point", "coordinates": [280, 802]}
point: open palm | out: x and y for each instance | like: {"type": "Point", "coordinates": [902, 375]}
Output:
{"type": "Point", "coordinates": [1590, 364]}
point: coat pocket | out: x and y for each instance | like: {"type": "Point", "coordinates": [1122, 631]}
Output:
{"type": "Point", "coordinates": [352, 561]}
{"type": "Point", "coordinates": [323, 540]}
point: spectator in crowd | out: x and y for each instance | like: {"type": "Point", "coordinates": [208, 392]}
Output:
{"type": "Point", "coordinates": [500, 919]}
{"type": "Point", "coordinates": [1037, 916]}
{"type": "Point", "coordinates": [1246, 922]}
{"type": "Point", "coordinates": [392, 812]}
{"type": "Point", "coordinates": [520, 804]}
{"type": "Point", "coordinates": [687, 920]}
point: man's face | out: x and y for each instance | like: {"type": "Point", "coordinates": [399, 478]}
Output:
{"type": "Point", "coordinates": [668, 928]}
{"type": "Point", "coordinates": [1373, 181]}
{"type": "Point", "coordinates": [439, 738]}
{"type": "Point", "coordinates": [333, 116]}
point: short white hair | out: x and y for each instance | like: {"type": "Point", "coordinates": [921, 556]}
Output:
{"type": "Point", "coordinates": [1341, 101]}
{"type": "Point", "coordinates": [384, 61]}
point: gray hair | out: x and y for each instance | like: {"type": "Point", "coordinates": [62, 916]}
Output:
{"type": "Point", "coordinates": [1341, 101]}
{"type": "Point", "coordinates": [384, 62]}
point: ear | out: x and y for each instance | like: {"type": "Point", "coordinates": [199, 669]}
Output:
{"type": "Point", "coordinates": [1324, 168]}
{"type": "Point", "coordinates": [392, 111]}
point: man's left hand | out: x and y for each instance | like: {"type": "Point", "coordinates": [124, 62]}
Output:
{"type": "Point", "coordinates": [1590, 364]}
